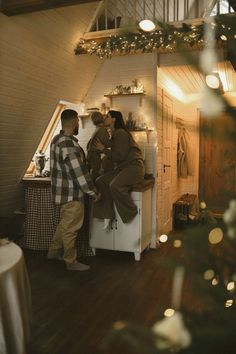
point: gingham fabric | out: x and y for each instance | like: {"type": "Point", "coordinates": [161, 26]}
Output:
{"type": "Point", "coordinates": [42, 217]}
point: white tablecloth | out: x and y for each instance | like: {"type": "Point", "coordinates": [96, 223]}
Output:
{"type": "Point", "coordinates": [15, 301]}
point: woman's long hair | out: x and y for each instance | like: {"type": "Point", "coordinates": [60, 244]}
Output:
{"type": "Point", "coordinates": [119, 120]}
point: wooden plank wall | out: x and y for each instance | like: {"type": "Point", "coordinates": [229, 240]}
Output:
{"type": "Point", "coordinates": [37, 69]}
{"type": "Point", "coordinates": [121, 70]}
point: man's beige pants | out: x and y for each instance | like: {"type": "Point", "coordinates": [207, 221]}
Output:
{"type": "Point", "coordinates": [71, 220]}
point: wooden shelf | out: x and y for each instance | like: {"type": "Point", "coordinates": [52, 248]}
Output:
{"type": "Point", "coordinates": [111, 96]}
{"type": "Point", "coordinates": [124, 94]}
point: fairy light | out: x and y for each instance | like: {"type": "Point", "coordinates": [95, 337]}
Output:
{"type": "Point", "coordinates": [177, 243]}
{"type": "Point", "coordinates": [119, 325]}
{"type": "Point", "coordinates": [230, 286]}
{"type": "Point", "coordinates": [214, 282]}
{"type": "Point", "coordinates": [202, 205]}
{"type": "Point", "coordinates": [229, 302]}
{"type": "Point", "coordinates": [208, 274]}
{"type": "Point", "coordinates": [187, 34]}
{"type": "Point", "coordinates": [169, 312]}
{"type": "Point", "coordinates": [163, 238]}
{"type": "Point", "coordinates": [223, 37]}
{"type": "Point", "coordinates": [215, 236]}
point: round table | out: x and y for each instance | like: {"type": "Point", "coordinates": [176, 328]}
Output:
{"type": "Point", "coordinates": [15, 300]}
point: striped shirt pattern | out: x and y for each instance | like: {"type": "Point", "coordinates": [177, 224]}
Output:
{"type": "Point", "coordinates": [70, 178]}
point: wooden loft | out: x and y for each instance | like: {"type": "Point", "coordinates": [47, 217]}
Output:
{"type": "Point", "coordinates": [113, 17]}
{"type": "Point", "coordinates": [16, 7]}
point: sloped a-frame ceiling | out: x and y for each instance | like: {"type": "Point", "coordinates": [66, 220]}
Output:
{"type": "Point", "coordinates": [37, 69]}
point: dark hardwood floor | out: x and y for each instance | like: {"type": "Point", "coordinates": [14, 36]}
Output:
{"type": "Point", "coordinates": [74, 311]}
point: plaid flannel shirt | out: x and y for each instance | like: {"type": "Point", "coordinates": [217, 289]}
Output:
{"type": "Point", "coordinates": [70, 178]}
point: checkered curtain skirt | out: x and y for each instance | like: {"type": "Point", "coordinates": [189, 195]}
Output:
{"type": "Point", "coordinates": [42, 217]}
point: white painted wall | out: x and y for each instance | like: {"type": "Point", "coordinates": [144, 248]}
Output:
{"type": "Point", "coordinates": [38, 68]}
{"type": "Point", "coordinates": [121, 70]}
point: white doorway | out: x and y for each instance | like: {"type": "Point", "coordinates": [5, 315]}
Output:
{"type": "Point", "coordinates": [166, 169]}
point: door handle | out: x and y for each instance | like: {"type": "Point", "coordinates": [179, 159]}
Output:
{"type": "Point", "coordinates": [164, 167]}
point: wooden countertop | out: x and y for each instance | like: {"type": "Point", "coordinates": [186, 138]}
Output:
{"type": "Point", "coordinates": [46, 182]}
{"type": "Point", "coordinates": [36, 181]}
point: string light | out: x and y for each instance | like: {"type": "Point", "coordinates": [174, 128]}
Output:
{"type": "Point", "coordinates": [149, 39]}
{"type": "Point", "coordinates": [230, 286]}
{"type": "Point", "coordinates": [169, 312]}
{"type": "Point", "coordinates": [163, 238]}
{"type": "Point", "coordinates": [119, 325]}
{"type": "Point", "coordinates": [209, 274]}
{"type": "Point", "coordinates": [229, 303]}
{"type": "Point", "coordinates": [223, 37]}
{"type": "Point", "coordinates": [214, 282]}
{"type": "Point", "coordinates": [177, 243]}
{"type": "Point", "coordinates": [216, 236]}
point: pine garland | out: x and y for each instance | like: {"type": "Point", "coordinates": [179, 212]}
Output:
{"type": "Point", "coordinates": [167, 38]}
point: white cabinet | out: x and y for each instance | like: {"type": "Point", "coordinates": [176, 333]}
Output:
{"type": "Point", "coordinates": [131, 237]}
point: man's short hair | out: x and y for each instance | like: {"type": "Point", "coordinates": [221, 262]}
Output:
{"type": "Point", "coordinates": [97, 118]}
{"type": "Point", "coordinates": [68, 115]}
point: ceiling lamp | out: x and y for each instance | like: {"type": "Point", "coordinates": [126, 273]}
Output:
{"type": "Point", "coordinates": [147, 25]}
{"type": "Point", "coordinates": [213, 81]}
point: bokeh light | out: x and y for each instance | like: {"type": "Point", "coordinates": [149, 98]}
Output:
{"type": "Point", "coordinates": [209, 274]}
{"type": "Point", "coordinates": [215, 236]}
{"type": "Point", "coordinates": [163, 238]}
{"type": "Point", "coordinates": [169, 312]}
{"type": "Point", "coordinates": [177, 243]}
{"type": "Point", "coordinates": [230, 286]}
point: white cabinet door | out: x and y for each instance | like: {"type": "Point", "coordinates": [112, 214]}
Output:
{"type": "Point", "coordinates": [127, 236]}
{"type": "Point", "coordinates": [100, 238]}
{"type": "Point", "coordinates": [130, 237]}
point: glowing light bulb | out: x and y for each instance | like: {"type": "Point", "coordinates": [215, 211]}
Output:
{"type": "Point", "coordinates": [177, 243]}
{"type": "Point", "coordinates": [212, 81]}
{"type": "Point", "coordinates": [163, 238]}
{"type": "Point", "coordinates": [202, 205]}
{"type": "Point", "coordinates": [230, 286]}
{"type": "Point", "coordinates": [215, 236]}
{"type": "Point", "coordinates": [209, 274]}
{"type": "Point", "coordinates": [223, 37]}
{"type": "Point", "coordinates": [169, 312]}
{"type": "Point", "coordinates": [214, 282]}
{"type": "Point", "coordinates": [147, 25]}
{"type": "Point", "coordinates": [119, 325]}
{"type": "Point", "coordinates": [229, 303]}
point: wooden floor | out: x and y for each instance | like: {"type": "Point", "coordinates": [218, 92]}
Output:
{"type": "Point", "coordinates": [74, 311]}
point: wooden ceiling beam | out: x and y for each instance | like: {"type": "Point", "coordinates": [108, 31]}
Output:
{"type": "Point", "coordinates": [16, 7]}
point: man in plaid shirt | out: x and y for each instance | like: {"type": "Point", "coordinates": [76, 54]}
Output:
{"type": "Point", "coordinates": [70, 179]}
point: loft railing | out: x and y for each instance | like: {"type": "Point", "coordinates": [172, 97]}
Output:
{"type": "Point", "coordinates": [114, 14]}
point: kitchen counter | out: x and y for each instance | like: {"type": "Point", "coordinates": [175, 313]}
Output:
{"type": "Point", "coordinates": [46, 181]}
{"type": "Point", "coordinates": [42, 217]}
{"type": "Point", "coordinates": [36, 181]}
